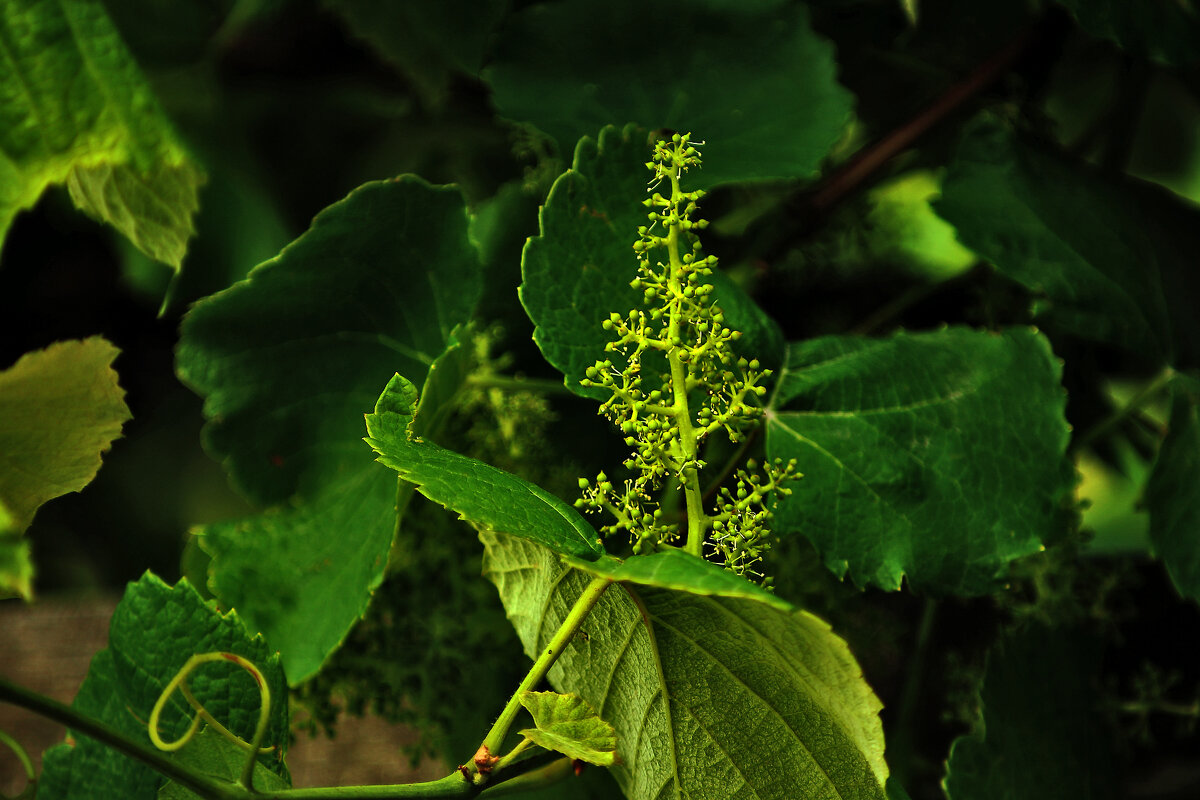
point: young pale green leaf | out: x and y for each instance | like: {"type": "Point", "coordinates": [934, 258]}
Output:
{"type": "Point", "coordinates": [771, 110]}
{"type": "Point", "coordinates": [487, 497]}
{"type": "Point", "coordinates": [154, 630]}
{"type": "Point", "coordinates": [937, 456]}
{"type": "Point", "coordinates": [1173, 492]}
{"type": "Point", "coordinates": [60, 409]}
{"type": "Point", "coordinates": [710, 695]}
{"type": "Point", "coordinates": [1164, 32]}
{"type": "Point", "coordinates": [75, 109]}
{"type": "Point", "coordinates": [567, 724]}
{"type": "Point", "coordinates": [577, 271]}
{"type": "Point", "coordinates": [1043, 735]}
{"type": "Point", "coordinates": [212, 754]}
{"type": "Point", "coordinates": [1110, 259]}
{"type": "Point", "coordinates": [288, 361]}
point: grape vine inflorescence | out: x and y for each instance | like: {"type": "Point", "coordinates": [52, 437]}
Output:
{"type": "Point", "coordinates": [680, 321]}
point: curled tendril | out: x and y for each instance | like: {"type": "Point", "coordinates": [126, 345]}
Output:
{"type": "Point", "coordinates": [180, 682]}
{"type": "Point", "coordinates": [19, 751]}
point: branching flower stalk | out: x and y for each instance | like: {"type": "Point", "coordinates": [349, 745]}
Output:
{"type": "Point", "coordinates": [680, 322]}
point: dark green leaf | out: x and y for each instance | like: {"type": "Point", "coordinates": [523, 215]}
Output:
{"type": "Point", "coordinates": [481, 494]}
{"type": "Point", "coordinates": [711, 696]}
{"type": "Point", "coordinates": [212, 754]}
{"type": "Point", "coordinates": [288, 361]}
{"type": "Point", "coordinates": [940, 456]}
{"type": "Point", "coordinates": [1110, 259]}
{"type": "Point", "coordinates": [1173, 492]}
{"type": "Point", "coordinates": [1042, 737]}
{"type": "Point", "coordinates": [752, 79]}
{"type": "Point", "coordinates": [429, 42]}
{"type": "Point", "coordinates": [1168, 33]}
{"type": "Point", "coordinates": [75, 110]}
{"type": "Point", "coordinates": [578, 270]}
{"type": "Point", "coordinates": [60, 410]}
{"type": "Point", "coordinates": [155, 629]}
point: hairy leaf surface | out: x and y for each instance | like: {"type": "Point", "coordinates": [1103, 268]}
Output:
{"type": "Point", "coordinates": [1043, 736]}
{"type": "Point", "coordinates": [75, 110]}
{"type": "Point", "coordinates": [1109, 259]}
{"type": "Point", "coordinates": [288, 361]}
{"type": "Point", "coordinates": [577, 271]}
{"type": "Point", "coordinates": [154, 630]}
{"type": "Point", "coordinates": [1173, 492]}
{"type": "Point", "coordinates": [60, 409]}
{"type": "Point", "coordinates": [711, 696]}
{"type": "Point", "coordinates": [937, 456]}
{"type": "Point", "coordinates": [771, 110]}
{"type": "Point", "coordinates": [487, 497]}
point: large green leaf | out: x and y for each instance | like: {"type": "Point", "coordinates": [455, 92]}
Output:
{"type": "Point", "coordinates": [577, 271]}
{"type": "Point", "coordinates": [1173, 492]}
{"type": "Point", "coordinates": [1168, 33]}
{"type": "Point", "coordinates": [60, 410]}
{"type": "Point", "coordinates": [487, 497]}
{"type": "Point", "coordinates": [1110, 259]}
{"type": "Point", "coordinates": [752, 79]}
{"type": "Point", "coordinates": [154, 630]}
{"type": "Point", "coordinates": [937, 456]}
{"type": "Point", "coordinates": [75, 109]}
{"type": "Point", "coordinates": [1042, 736]}
{"type": "Point", "coordinates": [712, 696]}
{"type": "Point", "coordinates": [288, 361]}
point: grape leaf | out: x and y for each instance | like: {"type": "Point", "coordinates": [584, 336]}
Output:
{"type": "Point", "coordinates": [481, 494]}
{"type": "Point", "coordinates": [60, 409]}
{"type": "Point", "coordinates": [567, 724]}
{"type": "Point", "coordinates": [1042, 735]}
{"type": "Point", "coordinates": [212, 754]}
{"type": "Point", "coordinates": [577, 271]}
{"type": "Point", "coordinates": [1110, 259]}
{"type": "Point", "coordinates": [710, 695]}
{"type": "Point", "coordinates": [940, 456]}
{"type": "Point", "coordinates": [1173, 492]}
{"type": "Point", "coordinates": [771, 110]}
{"type": "Point", "coordinates": [75, 109]}
{"type": "Point", "coordinates": [1168, 33]}
{"type": "Point", "coordinates": [288, 361]}
{"type": "Point", "coordinates": [154, 630]}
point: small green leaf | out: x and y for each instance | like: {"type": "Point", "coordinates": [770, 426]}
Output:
{"type": "Point", "coordinates": [60, 409]}
{"type": "Point", "coordinates": [1167, 33]}
{"type": "Point", "coordinates": [769, 110]}
{"type": "Point", "coordinates": [567, 724]}
{"type": "Point", "coordinates": [288, 361]}
{"type": "Point", "coordinates": [1043, 735]}
{"type": "Point", "coordinates": [75, 110]}
{"type": "Point", "coordinates": [487, 497]}
{"type": "Point", "coordinates": [714, 695]}
{"type": "Point", "coordinates": [212, 754]}
{"type": "Point", "coordinates": [577, 271]}
{"type": "Point", "coordinates": [1107, 258]}
{"type": "Point", "coordinates": [937, 456]}
{"type": "Point", "coordinates": [155, 629]}
{"type": "Point", "coordinates": [1173, 492]}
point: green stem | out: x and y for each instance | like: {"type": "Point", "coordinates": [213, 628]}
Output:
{"type": "Point", "coordinates": [202, 785]}
{"type": "Point", "coordinates": [566, 632]}
{"type": "Point", "coordinates": [519, 384]}
{"type": "Point", "coordinates": [19, 752]}
{"type": "Point", "coordinates": [1117, 417]}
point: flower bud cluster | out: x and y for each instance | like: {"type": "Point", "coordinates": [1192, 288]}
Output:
{"type": "Point", "coordinates": [741, 526]}
{"type": "Point", "coordinates": [665, 417]}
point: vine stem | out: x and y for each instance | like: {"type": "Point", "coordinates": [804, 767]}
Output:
{"type": "Point", "coordinates": [566, 632]}
{"type": "Point", "coordinates": [1156, 385]}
